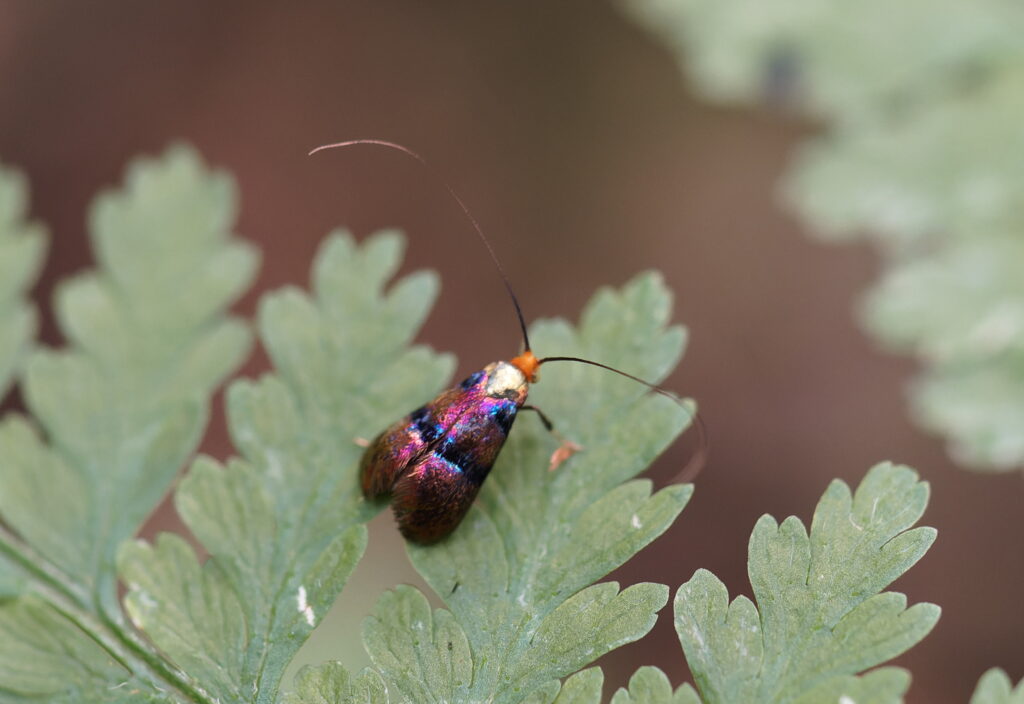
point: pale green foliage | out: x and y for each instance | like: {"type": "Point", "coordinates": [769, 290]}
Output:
{"type": "Point", "coordinates": [848, 57]}
{"type": "Point", "coordinates": [517, 576]}
{"type": "Point", "coordinates": [996, 688]}
{"type": "Point", "coordinates": [948, 171]}
{"type": "Point", "coordinates": [649, 685]}
{"type": "Point", "coordinates": [122, 407]}
{"type": "Point", "coordinates": [820, 619]}
{"type": "Point", "coordinates": [962, 311]}
{"type": "Point", "coordinates": [21, 252]}
{"type": "Point", "coordinates": [582, 688]}
{"type": "Point", "coordinates": [330, 683]}
{"type": "Point", "coordinates": [284, 523]}
{"type": "Point", "coordinates": [924, 153]}
{"type": "Point", "coordinates": [42, 653]}
{"type": "Point", "coordinates": [945, 203]}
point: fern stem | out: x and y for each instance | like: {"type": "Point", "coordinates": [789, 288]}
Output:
{"type": "Point", "coordinates": [124, 646]}
{"type": "Point", "coordinates": [167, 672]}
{"type": "Point", "coordinates": [41, 569]}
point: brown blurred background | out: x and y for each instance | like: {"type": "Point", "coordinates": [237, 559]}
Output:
{"type": "Point", "coordinates": [573, 137]}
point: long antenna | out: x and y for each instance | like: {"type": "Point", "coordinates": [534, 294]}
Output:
{"type": "Point", "coordinates": [649, 385]}
{"type": "Point", "coordinates": [699, 458]}
{"type": "Point", "coordinates": [453, 194]}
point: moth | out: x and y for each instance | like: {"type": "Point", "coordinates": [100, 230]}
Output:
{"type": "Point", "coordinates": [432, 463]}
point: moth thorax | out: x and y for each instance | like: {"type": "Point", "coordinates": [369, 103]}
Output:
{"type": "Point", "coordinates": [505, 380]}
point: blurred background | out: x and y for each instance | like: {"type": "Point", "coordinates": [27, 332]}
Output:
{"type": "Point", "coordinates": [576, 140]}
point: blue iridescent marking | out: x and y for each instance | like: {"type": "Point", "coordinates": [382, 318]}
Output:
{"type": "Point", "coordinates": [421, 420]}
{"type": "Point", "coordinates": [472, 380]}
{"type": "Point", "coordinates": [464, 462]}
{"type": "Point", "coordinates": [449, 459]}
{"type": "Point", "coordinates": [503, 415]}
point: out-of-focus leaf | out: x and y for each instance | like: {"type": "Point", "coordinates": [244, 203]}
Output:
{"type": "Point", "coordinates": [995, 687]}
{"type": "Point", "coordinates": [121, 409]}
{"type": "Point", "coordinates": [922, 152]}
{"type": "Point", "coordinates": [946, 171]}
{"type": "Point", "coordinates": [22, 244]}
{"type": "Point", "coordinates": [840, 60]}
{"type": "Point", "coordinates": [962, 310]}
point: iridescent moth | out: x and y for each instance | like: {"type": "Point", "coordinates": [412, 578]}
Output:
{"type": "Point", "coordinates": [432, 463]}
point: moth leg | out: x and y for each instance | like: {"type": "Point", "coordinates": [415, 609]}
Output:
{"type": "Point", "coordinates": [566, 449]}
{"type": "Point", "coordinates": [360, 442]}
{"type": "Point", "coordinates": [548, 425]}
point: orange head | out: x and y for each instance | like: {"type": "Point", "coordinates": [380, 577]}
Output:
{"type": "Point", "coordinates": [528, 364]}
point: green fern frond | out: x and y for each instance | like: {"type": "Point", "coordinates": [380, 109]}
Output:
{"type": "Point", "coordinates": [121, 408]}
{"type": "Point", "coordinates": [649, 685]}
{"type": "Point", "coordinates": [517, 576]}
{"type": "Point", "coordinates": [820, 618]}
{"type": "Point", "coordinates": [923, 154]}
{"type": "Point", "coordinates": [284, 523]}
{"type": "Point", "coordinates": [846, 59]}
{"type": "Point", "coordinates": [22, 244]}
{"type": "Point", "coordinates": [995, 687]}
{"type": "Point", "coordinates": [330, 683]}
{"type": "Point", "coordinates": [124, 405]}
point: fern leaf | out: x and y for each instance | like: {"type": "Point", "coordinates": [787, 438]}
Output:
{"type": "Point", "coordinates": [122, 408]}
{"type": "Point", "coordinates": [743, 50]}
{"type": "Point", "coordinates": [949, 218]}
{"type": "Point", "coordinates": [924, 156]}
{"type": "Point", "coordinates": [22, 244]}
{"type": "Point", "coordinates": [331, 683]}
{"type": "Point", "coordinates": [649, 685]}
{"type": "Point", "coordinates": [43, 654]}
{"type": "Point", "coordinates": [284, 522]}
{"type": "Point", "coordinates": [820, 618]}
{"type": "Point", "coordinates": [995, 687]}
{"type": "Point", "coordinates": [582, 688]}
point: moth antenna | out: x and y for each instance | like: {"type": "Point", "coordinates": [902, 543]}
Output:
{"type": "Point", "coordinates": [451, 191]}
{"type": "Point", "coordinates": [699, 458]}
{"type": "Point", "coordinates": [653, 387]}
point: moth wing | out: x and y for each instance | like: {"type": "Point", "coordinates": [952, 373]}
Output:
{"type": "Point", "coordinates": [432, 496]}
{"type": "Point", "coordinates": [433, 461]}
{"type": "Point", "coordinates": [402, 445]}
{"type": "Point", "coordinates": [431, 499]}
